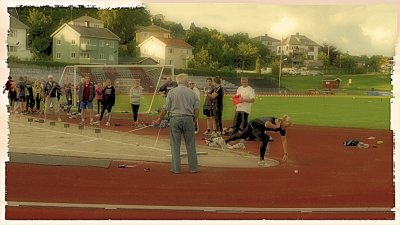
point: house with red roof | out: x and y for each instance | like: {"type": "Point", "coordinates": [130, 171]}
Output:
{"type": "Point", "coordinates": [167, 51]}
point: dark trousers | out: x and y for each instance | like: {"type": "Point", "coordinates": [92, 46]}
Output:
{"type": "Point", "coordinates": [99, 105]}
{"type": "Point", "coordinates": [105, 107]}
{"type": "Point", "coordinates": [69, 105]}
{"type": "Point", "coordinates": [218, 119]}
{"type": "Point", "coordinates": [239, 119]}
{"type": "Point", "coordinates": [30, 102]}
{"type": "Point", "coordinates": [135, 110]}
{"type": "Point", "coordinates": [248, 132]}
{"type": "Point", "coordinates": [38, 100]}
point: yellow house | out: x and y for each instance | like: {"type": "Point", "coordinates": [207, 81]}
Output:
{"type": "Point", "coordinates": [167, 51]}
{"type": "Point", "coordinates": [152, 30]}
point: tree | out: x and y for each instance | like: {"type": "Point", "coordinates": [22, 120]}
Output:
{"type": "Point", "coordinates": [375, 62]}
{"type": "Point", "coordinates": [124, 21]}
{"type": "Point", "coordinates": [258, 66]}
{"type": "Point", "coordinates": [331, 52]}
{"type": "Point", "coordinates": [39, 33]}
{"type": "Point", "coordinates": [246, 51]}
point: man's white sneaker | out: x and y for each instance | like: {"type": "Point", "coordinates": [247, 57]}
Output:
{"type": "Point", "coordinates": [96, 123]}
{"type": "Point", "coordinates": [108, 124]}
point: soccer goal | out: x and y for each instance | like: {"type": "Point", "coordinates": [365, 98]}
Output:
{"type": "Point", "coordinates": [122, 76]}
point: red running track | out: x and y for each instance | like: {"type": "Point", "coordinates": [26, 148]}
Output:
{"type": "Point", "coordinates": [330, 176]}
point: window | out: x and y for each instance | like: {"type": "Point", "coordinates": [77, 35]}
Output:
{"type": "Point", "coordinates": [171, 50]}
{"type": "Point", "coordinates": [58, 42]}
{"type": "Point", "coordinates": [111, 57]}
{"type": "Point", "coordinates": [58, 55]}
{"type": "Point", "coordinates": [102, 43]}
{"type": "Point", "coordinates": [97, 26]}
{"type": "Point", "coordinates": [310, 48]}
{"type": "Point", "coordinates": [111, 44]}
{"type": "Point", "coordinates": [73, 55]}
{"type": "Point", "coordinates": [146, 50]}
{"type": "Point", "coordinates": [12, 48]}
{"type": "Point", "coordinates": [73, 42]}
{"type": "Point", "coordinates": [85, 41]}
{"type": "Point", "coordinates": [12, 33]}
{"type": "Point", "coordinates": [85, 55]}
{"type": "Point", "coordinates": [102, 56]}
{"type": "Point", "coordinates": [145, 34]}
{"type": "Point", "coordinates": [171, 62]}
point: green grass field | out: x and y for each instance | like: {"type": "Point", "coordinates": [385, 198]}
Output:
{"type": "Point", "coordinates": [350, 107]}
{"type": "Point", "coordinates": [360, 83]}
{"type": "Point", "coordinates": [327, 110]}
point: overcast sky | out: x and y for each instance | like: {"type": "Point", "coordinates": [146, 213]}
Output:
{"type": "Point", "coordinates": [360, 29]}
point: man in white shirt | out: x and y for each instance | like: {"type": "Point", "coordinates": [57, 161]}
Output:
{"type": "Point", "coordinates": [243, 108]}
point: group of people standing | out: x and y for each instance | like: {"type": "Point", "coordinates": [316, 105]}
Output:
{"type": "Point", "coordinates": [24, 96]}
{"type": "Point", "coordinates": [182, 105]}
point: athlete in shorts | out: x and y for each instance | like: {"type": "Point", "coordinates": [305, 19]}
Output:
{"type": "Point", "coordinates": [86, 96]}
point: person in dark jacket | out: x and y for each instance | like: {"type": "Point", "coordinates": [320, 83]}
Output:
{"type": "Point", "coordinates": [86, 96]}
{"type": "Point", "coordinates": [108, 101]}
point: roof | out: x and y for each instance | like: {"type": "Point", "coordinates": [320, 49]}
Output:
{"type": "Point", "coordinates": [90, 32]}
{"type": "Point", "coordinates": [15, 23]}
{"type": "Point", "coordinates": [172, 42]}
{"type": "Point", "coordinates": [298, 39]}
{"type": "Point", "coordinates": [266, 38]}
{"type": "Point", "coordinates": [87, 18]}
{"type": "Point", "coordinates": [153, 28]}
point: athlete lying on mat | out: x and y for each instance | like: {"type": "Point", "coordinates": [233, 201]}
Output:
{"type": "Point", "coordinates": [260, 128]}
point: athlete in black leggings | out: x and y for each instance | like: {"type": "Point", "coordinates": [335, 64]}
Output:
{"type": "Point", "coordinates": [259, 128]}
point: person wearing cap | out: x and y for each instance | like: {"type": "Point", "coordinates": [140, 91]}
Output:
{"type": "Point", "coordinates": [50, 93]}
{"type": "Point", "coordinates": [260, 128]}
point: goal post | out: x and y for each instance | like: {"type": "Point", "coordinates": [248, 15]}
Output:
{"type": "Point", "coordinates": [122, 76]}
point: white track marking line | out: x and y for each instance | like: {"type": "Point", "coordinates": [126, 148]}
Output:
{"type": "Point", "coordinates": [138, 129]}
{"type": "Point", "coordinates": [199, 208]}
{"type": "Point", "coordinates": [78, 151]}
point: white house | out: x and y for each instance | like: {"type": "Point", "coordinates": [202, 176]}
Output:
{"type": "Point", "coordinates": [85, 41]}
{"type": "Point", "coordinates": [17, 40]}
{"type": "Point", "coordinates": [167, 51]}
{"type": "Point", "coordinates": [270, 42]}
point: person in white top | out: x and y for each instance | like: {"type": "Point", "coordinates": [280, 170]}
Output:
{"type": "Point", "coordinates": [135, 95]}
{"type": "Point", "coordinates": [192, 86]}
{"type": "Point", "coordinates": [243, 108]}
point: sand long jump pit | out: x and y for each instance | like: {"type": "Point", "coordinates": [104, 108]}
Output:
{"type": "Point", "coordinates": [59, 143]}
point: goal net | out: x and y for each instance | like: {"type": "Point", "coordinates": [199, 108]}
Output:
{"type": "Point", "coordinates": [122, 76]}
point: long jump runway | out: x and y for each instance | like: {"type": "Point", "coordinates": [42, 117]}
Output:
{"type": "Point", "coordinates": [55, 143]}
